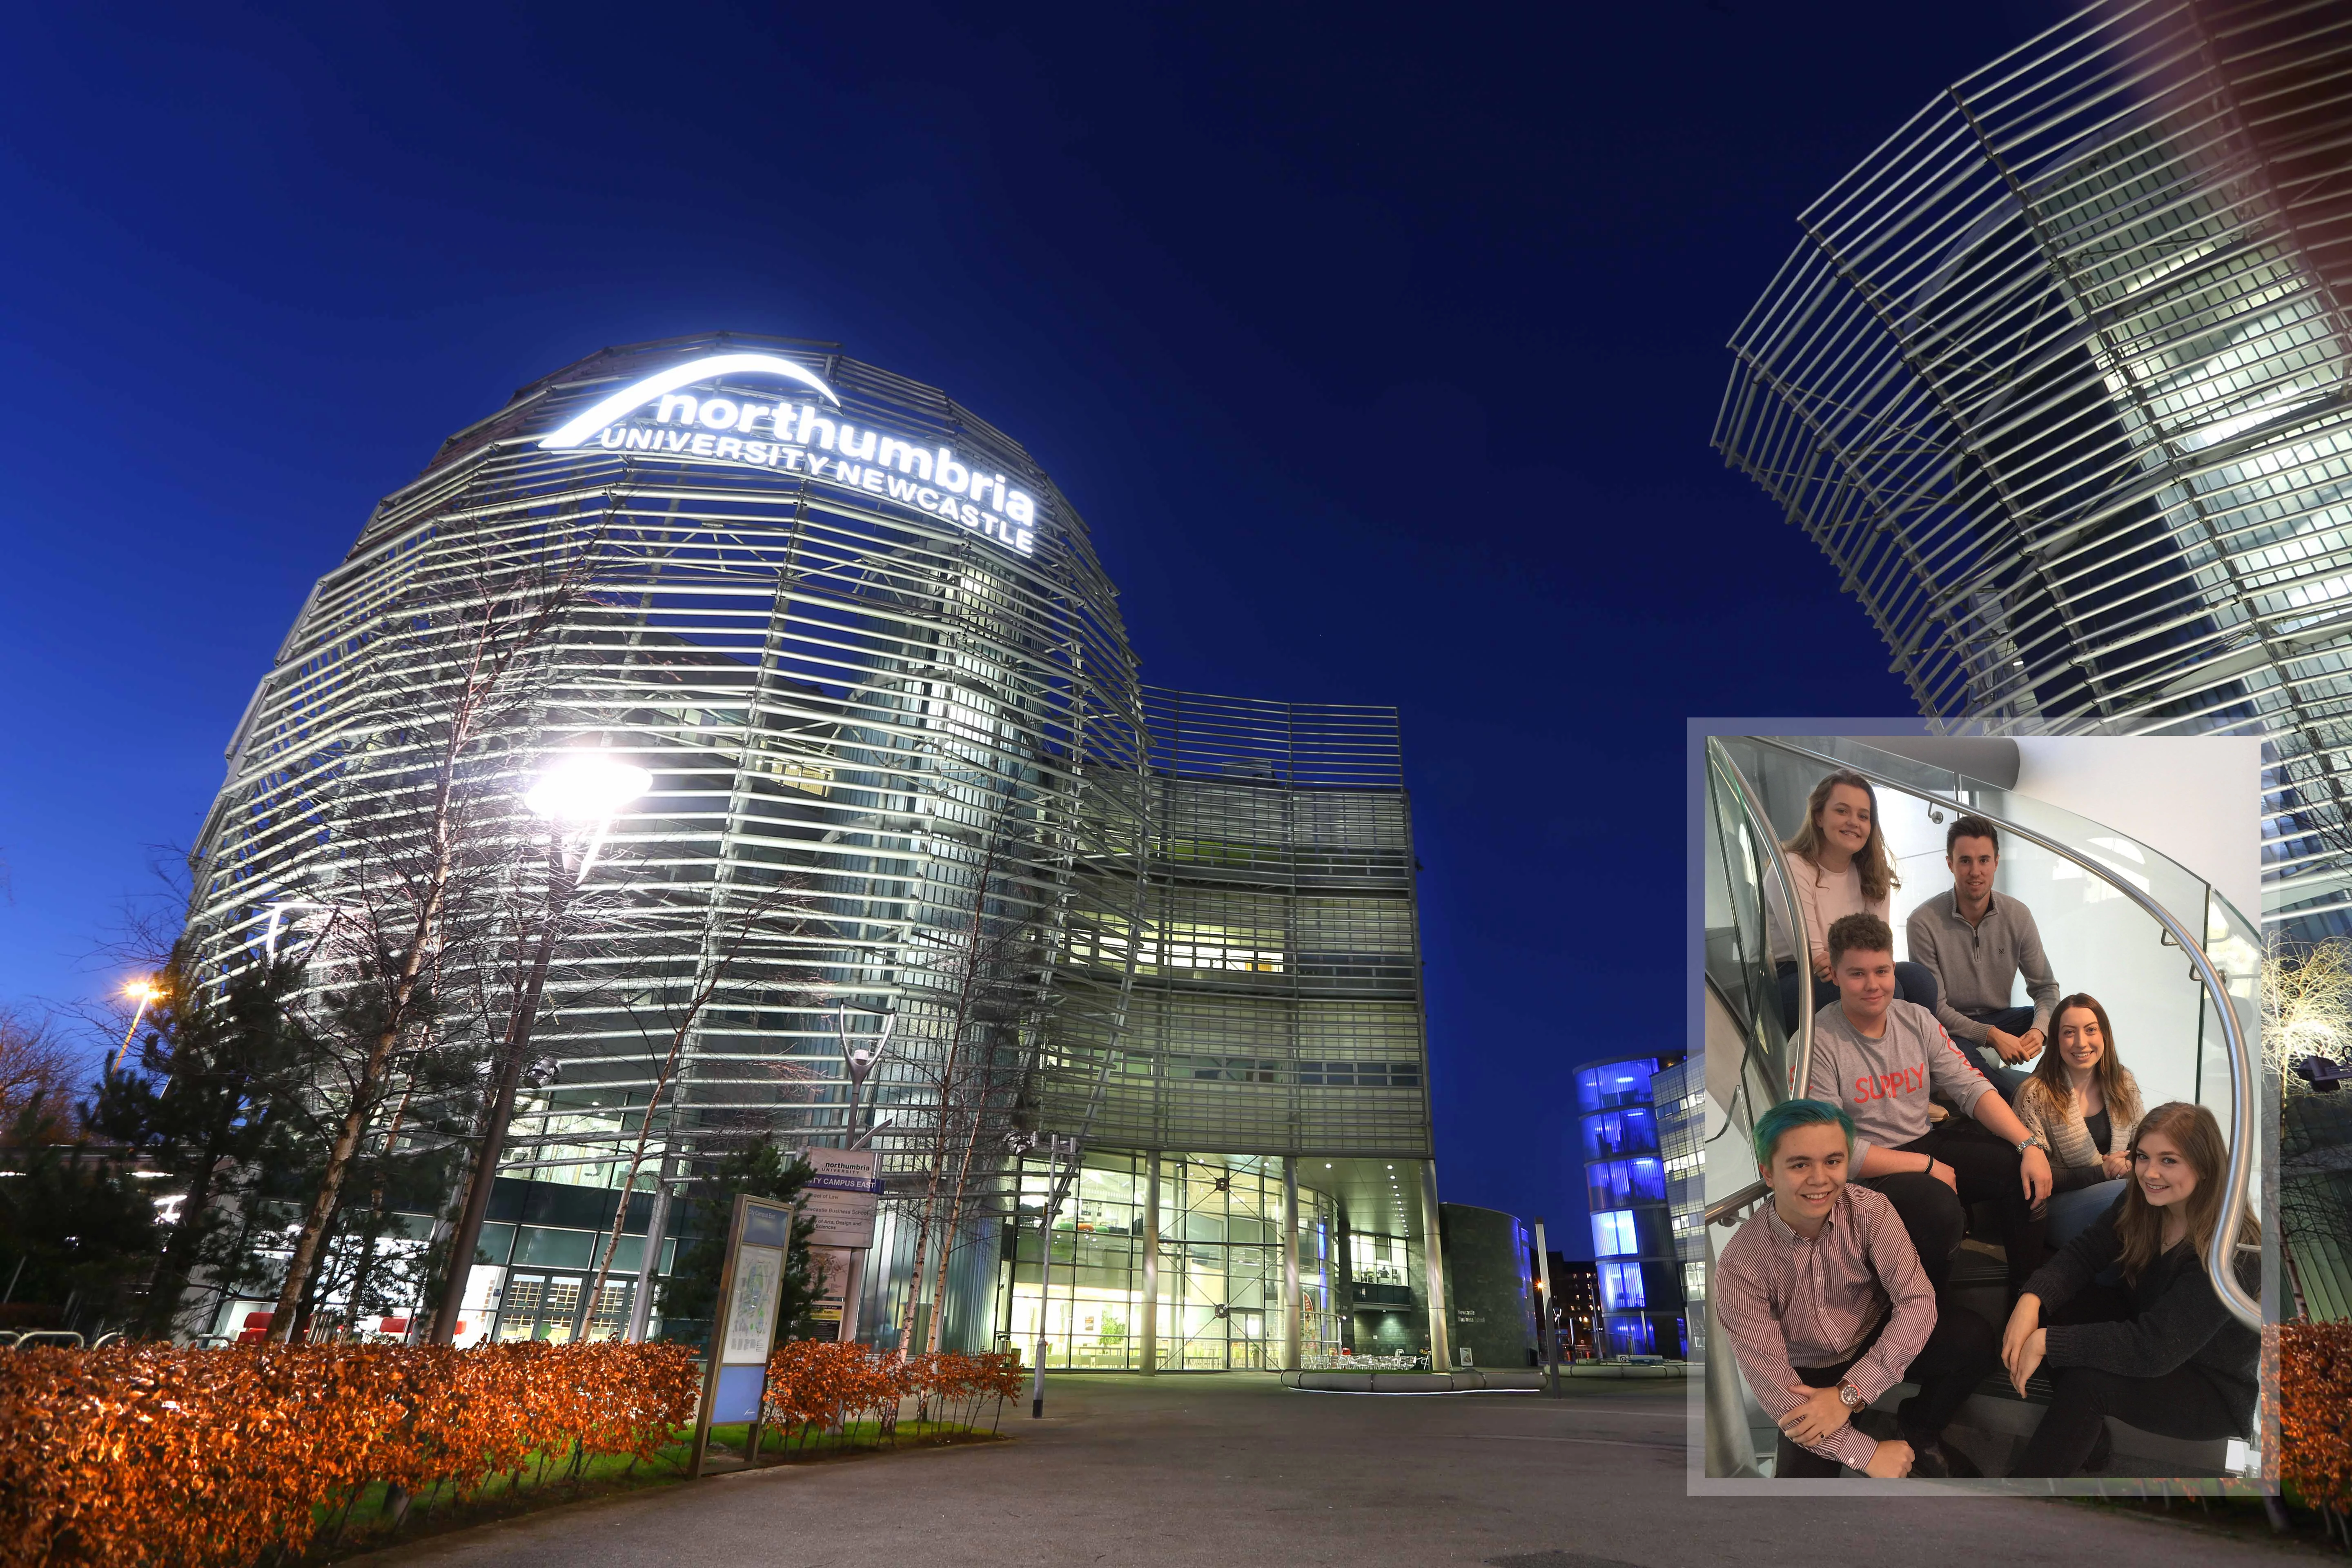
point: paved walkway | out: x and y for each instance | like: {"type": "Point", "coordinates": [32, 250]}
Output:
{"type": "Point", "coordinates": [1234, 1471]}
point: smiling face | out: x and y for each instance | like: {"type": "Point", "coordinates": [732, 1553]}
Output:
{"type": "Point", "coordinates": [1865, 983]}
{"type": "Point", "coordinates": [2081, 1043]}
{"type": "Point", "coordinates": [1806, 1173]}
{"type": "Point", "coordinates": [1973, 862]}
{"type": "Point", "coordinates": [2163, 1173]}
{"type": "Point", "coordinates": [1843, 822]}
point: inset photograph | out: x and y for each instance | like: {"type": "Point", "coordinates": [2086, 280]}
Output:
{"type": "Point", "coordinates": [1981, 1190]}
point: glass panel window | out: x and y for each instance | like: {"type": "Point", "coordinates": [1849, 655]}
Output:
{"type": "Point", "coordinates": [1628, 1130]}
{"type": "Point", "coordinates": [1612, 1234]}
{"type": "Point", "coordinates": [1621, 1287]}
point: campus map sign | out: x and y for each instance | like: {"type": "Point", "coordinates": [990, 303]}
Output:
{"type": "Point", "coordinates": [801, 435]}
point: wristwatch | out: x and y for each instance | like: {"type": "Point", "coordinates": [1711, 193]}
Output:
{"type": "Point", "coordinates": [1851, 1397]}
{"type": "Point", "coordinates": [2030, 1141]}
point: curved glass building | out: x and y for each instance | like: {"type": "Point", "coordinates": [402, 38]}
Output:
{"type": "Point", "coordinates": [2057, 380]}
{"type": "Point", "coordinates": [863, 648]}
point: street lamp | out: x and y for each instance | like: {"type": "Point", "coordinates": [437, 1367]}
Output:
{"type": "Point", "coordinates": [146, 991]}
{"type": "Point", "coordinates": [1065, 1150]}
{"type": "Point", "coordinates": [860, 1061]}
{"type": "Point", "coordinates": [586, 786]}
{"type": "Point", "coordinates": [581, 789]}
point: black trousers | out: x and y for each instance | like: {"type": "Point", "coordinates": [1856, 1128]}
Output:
{"type": "Point", "coordinates": [1959, 1355]}
{"type": "Point", "coordinates": [2009, 1021]}
{"type": "Point", "coordinates": [2180, 1403]}
{"type": "Point", "coordinates": [1938, 1217]}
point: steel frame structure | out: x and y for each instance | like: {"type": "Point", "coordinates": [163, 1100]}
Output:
{"type": "Point", "coordinates": [1277, 988]}
{"type": "Point", "coordinates": [922, 732]}
{"type": "Point", "coordinates": [1202, 909]}
{"type": "Point", "coordinates": [2057, 380]}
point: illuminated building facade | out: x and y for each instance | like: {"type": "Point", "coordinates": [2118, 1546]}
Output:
{"type": "Point", "coordinates": [2057, 380]}
{"type": "Point", "coordinates": [862, 645]}
{"type": "Point", "coordinates": [1634, 1248]}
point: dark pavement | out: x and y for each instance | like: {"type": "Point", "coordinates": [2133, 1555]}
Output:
{"type": "Point", "coordinates": [1234, 1470]}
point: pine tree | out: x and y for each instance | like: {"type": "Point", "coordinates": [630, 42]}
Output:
{"type": "Point", "coordinates": [213, 1099]}
{"type": "Point", "coordinates": [689, 1297]}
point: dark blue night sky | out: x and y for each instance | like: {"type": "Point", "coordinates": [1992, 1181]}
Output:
{"type": "Point", "coordinates": [1380, 352]}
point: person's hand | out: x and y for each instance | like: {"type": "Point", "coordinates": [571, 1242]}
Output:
{"type": "Point", "coordinates": [2032, 1041]}
{"type": "Point", "coordinates": [1821, 966]}
{"type": "Point", "coordinates": [2034, 1170]}
{"type": "Point", "coordinates": [2012, 1050]}
{"type": "Point", "coordinates": [1891, 1463]}
{"type": "Point", "coordinates": [2114, 1165]}
{"type": "Point", "coordinates": [1821, 1413]}
{"type": "Point", "coordinates": [2024, 1318]}
{"type": "Point", "coordinates": [2025, 1358]}
{"type": "Point", "coordinates": [1946, 1175]}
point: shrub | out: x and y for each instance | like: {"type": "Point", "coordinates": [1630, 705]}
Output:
{"type": "Point", "coordinates": [2315, 1412]}
{"type": "Point", "coordinates": [151, 1454]}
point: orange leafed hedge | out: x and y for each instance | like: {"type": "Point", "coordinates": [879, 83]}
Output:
{"type": "Point", "coordinates": [142, 1454]}
{"type": "Point", "coordinates": [817, 1384]}
{"type": "Point", "coordinates": [2315, 1412]}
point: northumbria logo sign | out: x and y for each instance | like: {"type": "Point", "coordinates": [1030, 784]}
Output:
{"type": "Point", "coordinates": [802, 437]}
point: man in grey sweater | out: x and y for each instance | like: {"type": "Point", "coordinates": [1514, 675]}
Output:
{"type": "Point", "coordinates": [1879, 1058]}
{"type": "Point", "coordinates": [1976, 944]}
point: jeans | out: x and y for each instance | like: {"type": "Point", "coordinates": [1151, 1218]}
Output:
{"type": "Point", "coordinates": [2179, 1404]}
{"type": "Point", "coordinates": [1960, 1353]}
{"type": "Point", "coordinates": [2006, 1079]}
{"type": "Point", "coordinates": [1937, 1217]}
{"type": "Point", "coordinates": [1914, 983]}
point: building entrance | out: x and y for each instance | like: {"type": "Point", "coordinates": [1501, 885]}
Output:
{"type": "Point", "coordinates": [540, 1304]}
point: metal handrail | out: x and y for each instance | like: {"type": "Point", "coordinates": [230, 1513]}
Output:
{"type": "Point", "coordinates": [1723, 1211]}
{"type": "Point", "coordinates": [1751, 805]}
{"type": "Point", "coordinates": [2220, 1251]}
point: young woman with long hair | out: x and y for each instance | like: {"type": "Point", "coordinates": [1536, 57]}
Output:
{"type": "Point", "coordinates": [2085, 1105]}
{"type": "Point", "coordinates": [1839, 864]}
{"type": "Point", "coordinates": [2162, 1353]}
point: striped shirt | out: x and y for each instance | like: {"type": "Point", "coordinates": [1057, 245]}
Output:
{"type": "Point", "coordinates": [1786, 1302]}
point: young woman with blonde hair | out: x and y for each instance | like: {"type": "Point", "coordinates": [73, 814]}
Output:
{"type": "Point", "coordinates": [2162, 1354]}
{"type": "Point", "coordinates": [1838, 865]}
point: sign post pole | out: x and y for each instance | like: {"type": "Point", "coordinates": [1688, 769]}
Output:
{"type": "Point", "coordinates": [1550, 1322]}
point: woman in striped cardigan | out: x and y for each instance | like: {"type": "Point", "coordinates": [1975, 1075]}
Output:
{"type": "Point", "coordinates": [2083, 1104]}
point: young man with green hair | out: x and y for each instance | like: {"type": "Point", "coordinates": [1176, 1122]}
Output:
{"type": "Point", "coordinates": [1826, 1307]}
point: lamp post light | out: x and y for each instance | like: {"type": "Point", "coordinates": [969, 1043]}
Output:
{"type": "Point", "coordinates": [584, 791]}
{"type": "Point", "coordinates": [1547, 1324]}
{"type": "Point", "coordinates": [146, 991]}
{"type": "Point", "coordinates": [1065, 1150]}
{"type": "Point", "coordinates": [860, 1062]}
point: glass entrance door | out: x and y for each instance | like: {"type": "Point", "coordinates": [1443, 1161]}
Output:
{"type": "Point", "coordinates": [538, 1306]}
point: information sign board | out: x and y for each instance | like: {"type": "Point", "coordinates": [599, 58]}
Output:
{"type": "Point", "coordinates": [841, 1196]}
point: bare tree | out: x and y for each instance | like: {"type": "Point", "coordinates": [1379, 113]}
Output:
{"type": "Point", "coordinates": [996, 988]}
{"type": "Point", "coordinates": [424, 813]}
{"type": "Point", "coordinates": [743, 922]}
{"type": "Point", "coordinates": [37, 1071]}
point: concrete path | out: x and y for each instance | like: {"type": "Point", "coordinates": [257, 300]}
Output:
{"type": "Point", "coordinates": [1234, 1471]}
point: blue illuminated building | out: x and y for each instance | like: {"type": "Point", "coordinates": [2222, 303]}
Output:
{"type": "Point", "coordinates": [1633, 1224]}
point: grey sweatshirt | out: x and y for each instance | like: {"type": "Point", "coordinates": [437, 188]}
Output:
{"type": "Point", "coordinates": [1884, 1083]}
{"type": "Point", "coordinates": [1974, 966]}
